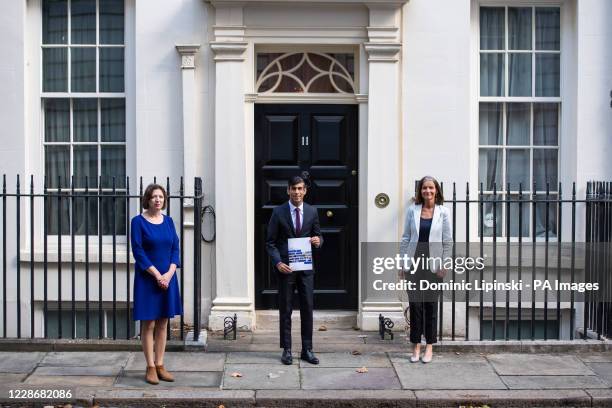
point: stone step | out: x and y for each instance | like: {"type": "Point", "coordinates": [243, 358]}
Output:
{"type": "Point", "coordinates": [331, 319]}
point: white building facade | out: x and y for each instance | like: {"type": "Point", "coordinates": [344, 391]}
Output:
{"type": "Point", "coordinates": [465, 90]}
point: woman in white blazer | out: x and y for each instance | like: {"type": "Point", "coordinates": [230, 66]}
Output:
{"type": "Point", "coordinates": [427, 235]}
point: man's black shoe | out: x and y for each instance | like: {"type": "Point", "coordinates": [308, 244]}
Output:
{"type": "Point", "coordinates": [308, 355]}
{"type": "Point", "coordinates": [286, 358]}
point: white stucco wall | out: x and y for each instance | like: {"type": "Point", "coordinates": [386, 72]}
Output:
{"type": "Point", "coordinates": [438, 95]}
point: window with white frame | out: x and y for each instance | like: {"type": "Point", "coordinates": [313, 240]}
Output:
{"type": "Point", "coordinates": [83, 103]}
{"type": "Point", "coordinates": [519, 115]}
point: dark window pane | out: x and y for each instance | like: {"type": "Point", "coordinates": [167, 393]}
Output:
{"type": "Point", "coordinates": [116, 217]}
{"type": "Point", "coordinates": [57, 120]}
{"type": "Point", "coordinates": [55, 21]}
{"type": "Point", "coordinates": [85, 214]}
{"type": "Point", "coordinates": [83, 21]}
{"type": "Point", "coordinates": [542, 225]}
{"type": "Point", "coordinates": [518, 125]}
{"type": "Point", "coordinates": [492, 28]}
{"type": "Point", "coordinates": [517, 167]}
{"type": "Point", "coordinates": [113, 165]}
{"type": "Point", "coordinates": [519, 75]}
{"type": "Point", "coordinates": [111, 21]}
{"type": "Point", "coordinates": [55, 70]}
{"type": "Point", "coordinates": [547, 74]}
{"type": "Point", "coordinates": [57, 165]}
{"type": "Point", "coordinates": [545, 168]}
{"type": "Point", "coordinates": [519, 28]}
{"type": "Point", "coordinates": [111, 70]}
{"type": "Point", "coordinates": [548, 22]}
{"type": "Point", "coordinates": [85, 117]}
{"type": "Point", "coordinates": [525, 210]}
{"type": "Point", "coordinates": [491, 206]}
{"type": "Point", "coordinates": [85, 165]}
{"type": "Point", "coordinates": [346, 60]}
{"type": "Point", "coordinates": [492, 74]}
{"type": "Point", "coordinates": [490, 168]}
{"type": "Point", "coordinates": [545, 124]}
{"type": "Point", "coordinates": [490, 124]}
{"type": "Point", "coordinates": [83, 69]}
{"type": "Point", "coordinates": [58, 212]}
{"type": "Point", "coordinates": [113, 120]}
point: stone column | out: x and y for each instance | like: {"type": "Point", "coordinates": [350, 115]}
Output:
{"type": "Point", "coordinates": [187, 53]}
{"type": "Point", "coordinates": [383, 149]}
{"type": "Point", "coordinates": [234, 272]}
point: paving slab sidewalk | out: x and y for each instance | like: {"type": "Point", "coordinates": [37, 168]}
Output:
{"type": "Point", "coordinates": [390, 379]}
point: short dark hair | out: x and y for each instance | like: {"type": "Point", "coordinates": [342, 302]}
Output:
{"type": "Point", "coordinates": [297, 180]}
{"type": "Point", "coordinates": [148, 194]}
{"type": "Point", "coordinates": [439, 199]}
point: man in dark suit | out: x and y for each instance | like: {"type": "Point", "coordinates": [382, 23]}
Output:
{"type": "Point", "coordinates": [294, 219]}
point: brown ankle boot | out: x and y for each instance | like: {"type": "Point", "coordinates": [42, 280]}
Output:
{"type": "Point", "coordinates": [163, 374]}
{"type": "Point", "coordinates": [151, 376]}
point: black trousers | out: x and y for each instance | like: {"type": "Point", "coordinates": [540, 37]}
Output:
{"type": "Point", "coordinates": [286, 286]}
{"type": "Point", "coordinates": [423, 311]}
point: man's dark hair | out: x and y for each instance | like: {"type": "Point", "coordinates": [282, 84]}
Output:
{"type": "Point", "coordinates": [296, 180]}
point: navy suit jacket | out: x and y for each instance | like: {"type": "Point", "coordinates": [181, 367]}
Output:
{"type": "Point", "coordinates": [280, 229]}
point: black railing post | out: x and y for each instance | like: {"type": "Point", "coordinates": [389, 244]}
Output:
{"type": "Point", "coordinates": [45, 249]}
{"type": "Point", "coordinates": [4, 324]}
{"type": "Point", "coordinates": [494, 300]}
{"type": "Point", "coordinates": [127, 258]}
{"type": "Point", "coordinates": [59, 256]}
{"type": "Point", "coordinates": [546, 237]}
{"type": "Point", "coordinates": [520, 259]}
{"type": "Point", "coordinates": [453, 318]}
{"type": "Point", "coordinates": [587, 260]}
{"type": "Point", "coordinates": [18, 250]}
{"type": "Point", "coordinates": [168, 331]}
{"type": "Point", "coordinates": [100, 258]}
{"type": "Point", "coordinates": [481, 306]}
{"type": "Point", "coordinates": [197, 257]}
{"type": "Point", "coordinates": [31, 256]}
{"type": "Point", "coordinates": [467, 254]}
{"type": "Point", "coordinates": [508, 234]}
{"type": "Point", "coordinates": [182, 249]}
{"type": "Point", "coordinates": [559, 237]}
{"type": "Point", "coordinates": [87, 317]}
{"type": "Point", "coordinates": [114, 234]}
{"type": "Point", "coordinates": [72, 268]}
{"type": "Point", "coordinates": [533, 258]}
{"type": "Point", "coordinates": [573, 262]}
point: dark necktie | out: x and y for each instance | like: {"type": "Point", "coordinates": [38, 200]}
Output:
{"type": "Point", "coordinates": [298, 224]}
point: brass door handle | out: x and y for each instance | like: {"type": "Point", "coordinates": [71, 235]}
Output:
{"type": "Point", "coordinates": [329, 213]}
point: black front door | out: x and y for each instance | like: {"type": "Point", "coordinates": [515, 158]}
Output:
{"type": "Point", "coordinates": [320, 139]}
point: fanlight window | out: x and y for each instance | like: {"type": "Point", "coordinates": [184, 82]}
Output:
{"type": "Point", "coordinates": [305, 72]}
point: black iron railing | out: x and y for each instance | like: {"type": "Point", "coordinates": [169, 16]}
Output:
{"type": "Point", "coordinates": [534, 223]}
{"type": "Point", "coordinates": [86, 217]}
{"type": "Point", "coordinates": [598, 307]}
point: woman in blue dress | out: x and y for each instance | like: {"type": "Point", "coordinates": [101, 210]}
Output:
{"type": "Point", "coordinates": [155, 246]}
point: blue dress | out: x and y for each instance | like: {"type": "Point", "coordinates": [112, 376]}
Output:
{"type": "Point", "coordinates": [157, 245]}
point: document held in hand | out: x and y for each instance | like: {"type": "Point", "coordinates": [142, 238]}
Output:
{"type": "Point", "coordinates": [300, 254]}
